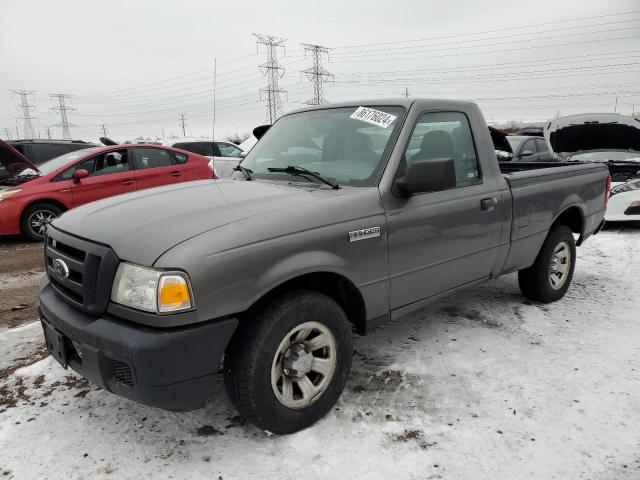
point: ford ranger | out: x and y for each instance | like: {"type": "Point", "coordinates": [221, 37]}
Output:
{"type": "Point", "coordinates": [341, 217]}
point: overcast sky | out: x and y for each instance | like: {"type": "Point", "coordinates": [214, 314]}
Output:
{"type": "Point", "coordinates": [135, 66]}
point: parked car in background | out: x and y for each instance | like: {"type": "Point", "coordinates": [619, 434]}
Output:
{"type": "Point", "coordinates": [609, 138]}
{"type": "Point", "coordinates": [29, 201]}
{"type": "Point", "coordinates": [224, 156]}
{"type": "Point", "coordinates": [527, 148]}
{"type": "Point", "coordinates": [40, 151]}
{"type": "Point", "coordinates": [530, 132]}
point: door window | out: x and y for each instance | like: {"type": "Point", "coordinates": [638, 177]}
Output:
{"type": "Point", "coordinates": [542, 145]}
{"type": "Point", "coordinates": [445, 135]}
{"type": "Point", "coordinates": [106, 163]}
{"type": "Point", "coordinates": [228, 150]}
{"type": "Point", "coordinates": [200, 148]}
{"type": "Point", "coordinates": [152, 158]}
{"type": "Point", "coordinates": [530, 145]}
{"type": "Point", "coordinates": [41, 152]}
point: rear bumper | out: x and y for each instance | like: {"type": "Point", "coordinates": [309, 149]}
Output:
{"type": "Point", "coordinates": [166, 368]}
{"type": "Point", "coordinates": [9, 217]}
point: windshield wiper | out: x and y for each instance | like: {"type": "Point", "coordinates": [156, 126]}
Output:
{"type": "Point", "coordinates": [303, 172]}
{"type": "Point", "coordinates": [246, 171]}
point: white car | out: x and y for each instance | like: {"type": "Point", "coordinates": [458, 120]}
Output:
{"type": "Point", "coordinates": [608, 138]}
{"type": "Point", "coordinates": [224, 155]}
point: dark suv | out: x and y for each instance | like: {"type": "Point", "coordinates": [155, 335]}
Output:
{"type": "Point", "coordinates": [39, 151]}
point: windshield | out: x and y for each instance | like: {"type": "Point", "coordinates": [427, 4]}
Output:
{"type": "Point", "coordinates": [329, 142]}
{"type": "Point", "coordinates": [62, 160]}
{"type": "Point", "coordinates": [606, 155]}
{"type": "Point", "coordinates": [515, 142]}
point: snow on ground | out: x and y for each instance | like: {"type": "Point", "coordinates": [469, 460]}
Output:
{"type": "Point", "coordinates": [483, 385]}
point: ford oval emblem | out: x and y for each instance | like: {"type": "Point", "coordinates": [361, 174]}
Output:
{"type": "Point", "coordinates": [60, 268]}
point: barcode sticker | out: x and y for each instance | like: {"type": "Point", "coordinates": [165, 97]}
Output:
{"type": "Point", "coordinates": [373, 116]}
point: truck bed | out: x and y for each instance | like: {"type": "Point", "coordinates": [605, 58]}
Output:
{"type": "Point", "coordinates": [540, 191]}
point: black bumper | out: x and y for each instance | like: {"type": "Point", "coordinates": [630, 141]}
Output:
{"type": "Point", "coordinates": [166, 368]}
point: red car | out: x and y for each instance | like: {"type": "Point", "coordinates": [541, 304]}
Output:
{"type": "Point", "coordinates": [30, 196]}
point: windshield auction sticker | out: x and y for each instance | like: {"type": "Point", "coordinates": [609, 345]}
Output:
{"type": "Point", "coordinates": [374, 117]}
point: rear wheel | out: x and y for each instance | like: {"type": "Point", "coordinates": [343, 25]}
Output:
{"type": "Point", "coordinates": [35, 218]}
{"type": "Point", "coordinates": [548, 279]}
{"type": "Point", "coordinates": [287, 365]}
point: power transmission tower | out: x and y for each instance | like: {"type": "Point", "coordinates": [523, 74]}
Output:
{"type": "Point", "coordinates": [63, 109]}
{"type": "Point", "coordinates": [7, 133]}
{"type": "Point", "coordinates": [49, 133]}
{"type": "Point", "coordinates": [26, 107]}
{"type": "Point", "coordinates": [274, 72]}
{"type": "Point", "coordinates": [317, 73]}
{"type": "Point", "coordinates": [182, 122]}
{"type": "Point", "coordinates": [104, 129]}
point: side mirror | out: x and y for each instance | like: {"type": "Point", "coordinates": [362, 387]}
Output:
{"type": "Point", "coordinates": [503, 156]}
{"type": "Point", "coordinates": [526, 153]}
{"type": "Point", "coordinates": [79, 175]}
{"type": "Point", "coordinates": [243, 154]}
{"type": "Point", "coordinates": [428, 175]}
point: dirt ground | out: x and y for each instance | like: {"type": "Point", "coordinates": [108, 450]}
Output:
{"type": "Point", "coordinates": [21, 267]}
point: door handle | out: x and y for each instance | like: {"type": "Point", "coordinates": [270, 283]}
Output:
{"type": "Point", "coordinates": [487, 204]}
{"type": "Point", "coordinates": [175, 174]}
{"type": "Point", "coordinates": [128, 182]}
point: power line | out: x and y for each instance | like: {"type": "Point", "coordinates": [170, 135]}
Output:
{"type": "Point", "coordinates": [26, 108]}
{"type": "Point", "coordinates": [62, 108]}
{"type": "Point", "coordinates": [274, 72]}
{"type": "Point", "coordinates": [317, 73]}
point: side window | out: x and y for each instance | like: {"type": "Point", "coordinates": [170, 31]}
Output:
{"type": "Point", "coordinates": [200, 148]}
{"type": "Point", "coordinates": [87, 165]}
{"type": "Point", "coordinates": [115, 161]}
{"type": "Point", "coordinates": [530, 145]}
{"type": "Point", "coordinates": [446, 135]}
{"type": "Point", "coordinates": [152, 158]}
{"type": "Point", "coordinates": [180, 157]}
{"type": "Point", "coordinates": [228, 150]}
{"type": "Point", "coordinates": [41, 152]}
{"type": "Point", "coordinates": [542, 145]}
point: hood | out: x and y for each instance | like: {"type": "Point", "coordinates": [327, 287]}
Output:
{"type": "Point", "coordinates": [593, 131]}
{"type": "Point", "coordinates": [13, 161]}
{"type": "Point", "coordinates": [142, 225]}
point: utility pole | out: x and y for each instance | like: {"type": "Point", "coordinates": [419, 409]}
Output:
{"type": "Point", "coordinates": [182, 122]}
{"type": "Point", "coordinates": [406, 92]}
{"type": "Point", "coordinates": [104, 129]}
{"type": "Point", "coordinates": [49, 132]}
{"type": "Point", "coordinates": [615, 108]}
{"type": "Point", "coordinates": [26, 107]}
{"type": "Point", "coordinates": [62, 108]}
{"type": "Point", "coordinates": [7, 133]}
{"type": "Point", "coordinates": [213, 124]}
{"type": "Point", "coordinates": [274, 72]}
{"type": "Point", "coordinates": [317, 73]}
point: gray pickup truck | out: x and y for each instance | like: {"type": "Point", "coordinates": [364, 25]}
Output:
{"type": "Point", "coordinates": [341, 217]}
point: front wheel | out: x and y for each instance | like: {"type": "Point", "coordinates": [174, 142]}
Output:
{"type": "Point", "coordinates": [288, 363]}
{"type": "Point", "coordinates": [35, 219]}
{"type": "Point", "coordinates": [548, 279]}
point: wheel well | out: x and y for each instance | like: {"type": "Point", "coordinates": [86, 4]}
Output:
{"type": "Point", "coordinates": [58, 204]}
{"type": "Point", "coordinates": [572, 218]}
{"type": "Point", "coordinates": [339, 288]}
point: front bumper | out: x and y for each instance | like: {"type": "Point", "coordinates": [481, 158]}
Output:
{"type": "Point", "coordinates": [9, 217]}
{"type": "Point", "coordinates": [166, 368]}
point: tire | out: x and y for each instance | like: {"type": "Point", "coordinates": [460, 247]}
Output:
{"type": "Point", "coordinates": [35, 219]}
{"type": "Point", "coordinates": [548, 279]}
{"type": "Point", "coordinates": [260, 365]}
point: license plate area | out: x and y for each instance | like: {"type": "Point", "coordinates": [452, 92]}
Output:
{"type": "Point", "coordinates": [56, 344]}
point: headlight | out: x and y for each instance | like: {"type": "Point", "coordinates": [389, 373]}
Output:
{"type": "Point", "coordinates": [626, 187]}
{"type": "Point", "coordinates": [9, 193]}
{"type": "Point", "coordinates": [151, 290]}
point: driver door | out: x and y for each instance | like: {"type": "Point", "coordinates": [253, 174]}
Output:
{"type": "Point", "coordinates": [110, 174]}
